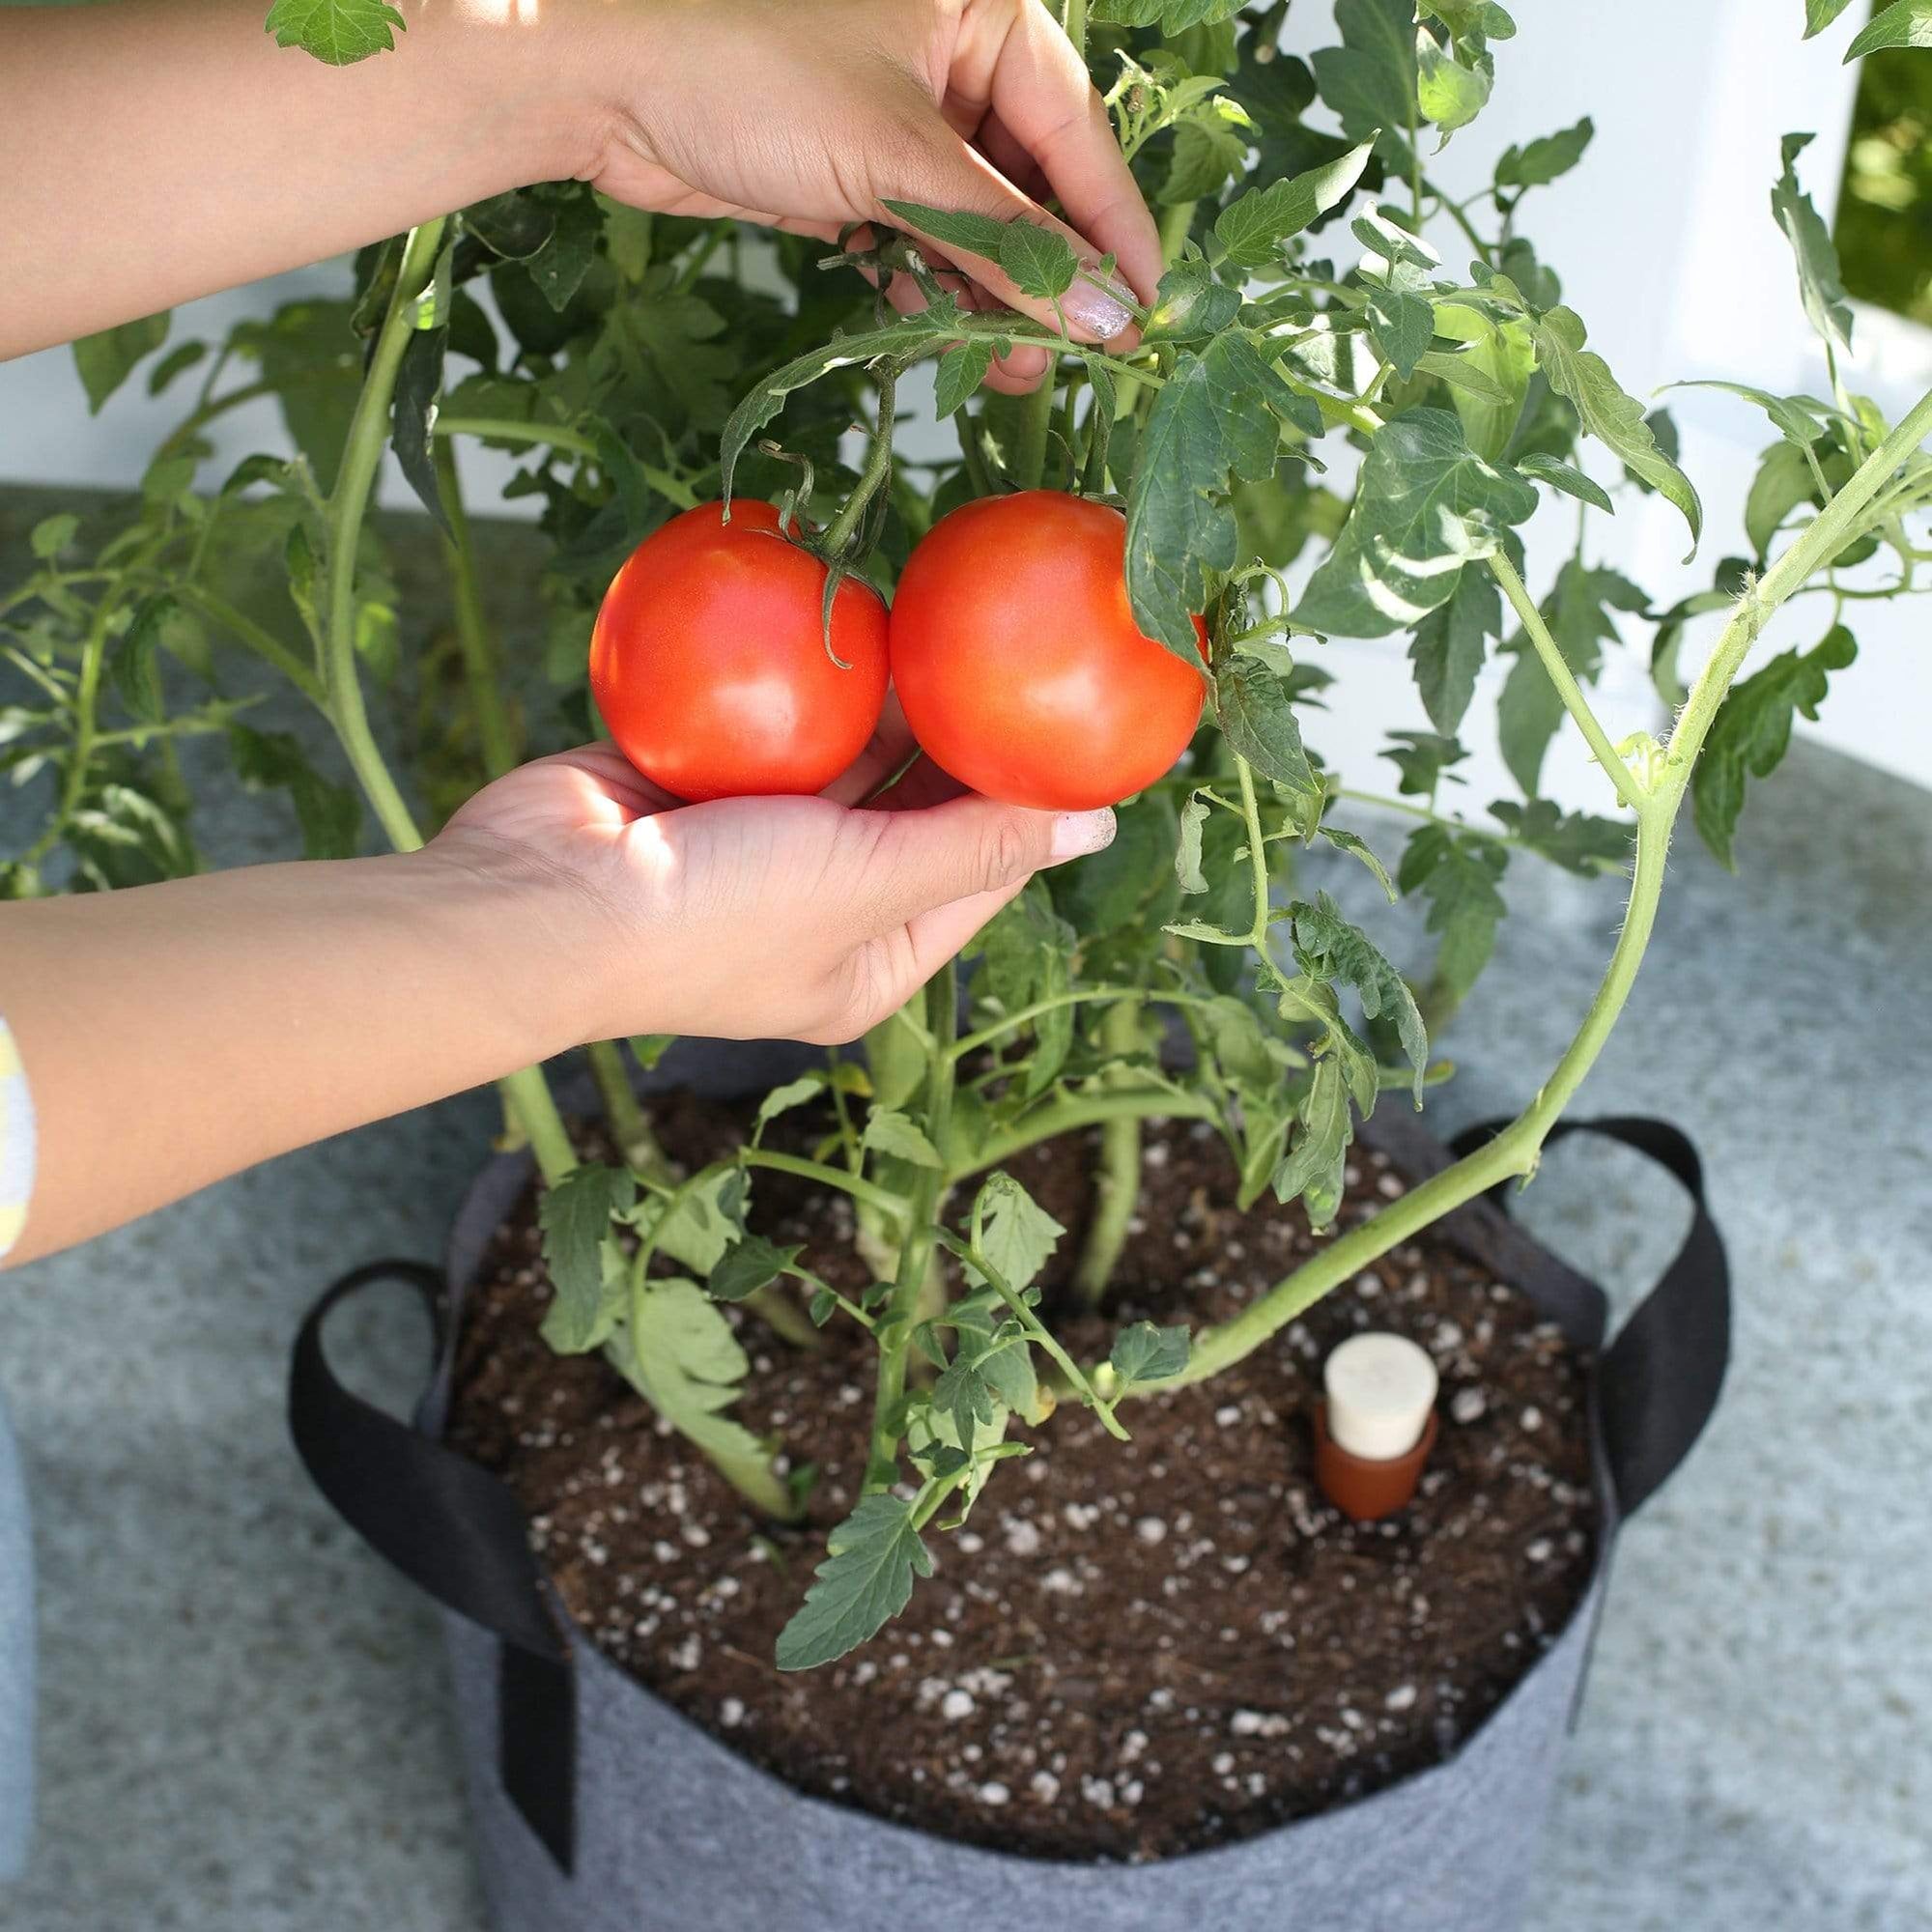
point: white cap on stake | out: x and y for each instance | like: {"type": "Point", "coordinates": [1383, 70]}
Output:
{"type": "Point", "coordinates": [1380, 1389]}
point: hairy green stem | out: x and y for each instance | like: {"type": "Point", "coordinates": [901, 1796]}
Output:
{"type": "Point", "coordinates": [1568, 688]}
{"type": "Point", "coordinates": [244, 630]}
{"type": "Point", "coordinates": [482, 670]}
{"type": "Point", "coordinates": [1117, 1185]}
{"type": "Point", "coordinates": [895, 1321]}
{"type": "Point", "coordinates": [1071, 1112]}
{"type": "Point", "coordinates": [1514, 1151]}
{"type": "Point", "coordinates": [869, 1191]}
{"type": "Point", "coordinates": [878, 467]}
{"type": "Point", "coordinates": [86, 697]}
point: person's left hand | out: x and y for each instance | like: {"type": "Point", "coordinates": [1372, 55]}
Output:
{"type": "Point", "coordinates": [752, 918]}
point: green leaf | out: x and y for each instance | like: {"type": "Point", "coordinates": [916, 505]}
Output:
{"type": "Point", "coordinates": [1426, 503]}
{"type": "Point", "coordinates": [1448, 647]}
{"type": "Point", "coordinates": [961, 372]}
{"type": "Point", "coordinates": [1783, 482]}
{"type": "Point", "coordinates": [52, 534]}
{"type": "Point", "coordinates": [1905, 24]}
{"type": "Point", "coordinates": [1329, 949]}
{"type": "Point", "coordinates": [1820, 13]}
{"type": "Point", "coordinates": [1359, 848]}
{"type": "Point", "coordinates": [1752, 731]}
{"type": "Point", "coordinates": [1500, 351]}
{"type": "Point", "coordinates": [1800, 419]}
{"type": "Point", "coordinates": [412, 418]}
{"type": "Point", "coordinates": [648, 1048]}
{"type": "Point", "coordinates": [907, 337]}
{"type": "Point", "coordinates": [1211, 145]}
{"type": "Point", "coordinates": [1458, 875]}
{"type": "Point", "coordinates": [1257, 721]}
{"type": "Point", "coordinates": [1449, 91]}
{"type": "Point", "coordinates": [1537, 163]}
{"type": "Point", "coordinates": [1190, 304]}
{"type": "Point", "coordinates": [982, 235]}
{"type": "Point", "coordinates": [1575, 840]}
{"type": "Point", "coordinates": [330, 814]}
{"type": "Point", "coordinates": [896, 1135]}
{"type": "Point", "coordinates": [1016, 1234]}
{"type": "Point", "coordinates": [1254, 225]}
{"type": "Point", "coordinates": [1370, 80]}
{"type": "Point", "coordinates": [1423, 757]}
{"type": "Point", "coordinates": [1217, 418]}
{"type": "Point", "coordinates": [1401, 326]}
{"type": "Point", "coordinates": [512, 227]}
{"type": "Point", "coordinates": [1567, 477]}
{"type": "Point", "coordinates": [1172, 17]}
{"type": "Point", "coordinates": [1314, 1167]}
{"type": "Point", "coordinates": [183, 355]}
{"type": "Point", "coordinates": [136, 678]}
{"type": "Point", "coordinates": [576, 1216]}
{"type": "Point", "coordinates": [1187, 854]}
{"type": "Point", "coordinates": [1039, 262]}
{"type": "Point", "coordinates": [339, 32]}
{"type": "Point", "coordinates": [559, 267]}
{"type": "Point", "coordinates": [895, 1059]}
{"type": "Point", "coordinates": [106, 361]}
{"type": "Point", "coordinates": [781, 1100]}
{"type": "Point", "coordinates": [699, 1228]}
{"type": "Point", "coordinates": [748, 1265]}
{"type": "Point", "coordinates": [1144, 1353]}
{"type": "Point", "coordinates": [865, 1582]}
{"type": "Point", "coordinates": [965, 1395]}
{"type": "Point", "coordinates": [1614, 418]}
{"type": "Point", "coordinates": [1819, 287]}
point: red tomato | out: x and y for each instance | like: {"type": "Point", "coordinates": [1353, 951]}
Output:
{"type": "Point", "coordinates": [709, 666]}
{"type": "Point", "coordinates": [1018, 662]}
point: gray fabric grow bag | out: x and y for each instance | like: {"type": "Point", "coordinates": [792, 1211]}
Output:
{"type": "Point", "coordinates": [599, 1808]}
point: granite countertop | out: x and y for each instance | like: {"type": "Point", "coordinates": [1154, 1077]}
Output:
{"type": "Point", "coordinates": [242, 1722]}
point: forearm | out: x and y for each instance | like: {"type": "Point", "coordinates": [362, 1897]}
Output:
{"type": "Point", "coordinates": [174, 1033]}
{"type": "Point", "coordinates": [157, 149]}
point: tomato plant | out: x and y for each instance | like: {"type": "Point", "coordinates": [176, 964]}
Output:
{"type": "Point", "coordinates": [1018, 662]}
{"type": "Point", "coordinates": [716, 667]}
{"type": "Point", "coordinates": [1356, 383]}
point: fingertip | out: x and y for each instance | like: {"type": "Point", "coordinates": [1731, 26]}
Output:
{"type": "Point", "coordinates": [1022, 368]}
{"type": "Point", "coordinates": [1077, 834]}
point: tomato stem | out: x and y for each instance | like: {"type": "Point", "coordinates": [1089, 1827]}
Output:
{"type": "Point", "coordinates": [838, 538]}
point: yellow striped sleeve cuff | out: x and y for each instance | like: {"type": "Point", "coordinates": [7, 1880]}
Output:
{"type": "Point", "coordinates": [17, 1142]}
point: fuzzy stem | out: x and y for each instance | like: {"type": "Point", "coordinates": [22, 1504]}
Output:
{"type": "Point", "coordinates": [897, 1318]}
{"type": "Point", "coordinates": [1116, 1187]}
{"type": "Point", "coordinates": [878, 467]}
{"type": "Point", "coordinates": [495, 733]}
{"type": "Point", "coordinates": [629, 1126]}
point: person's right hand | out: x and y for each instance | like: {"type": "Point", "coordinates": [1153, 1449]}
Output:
{"type": "Point", "coordinates": [747, 917]}
{"type": "Point", "coordinates": [810, 115]}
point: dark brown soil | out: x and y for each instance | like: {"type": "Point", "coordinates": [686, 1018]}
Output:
{"type": "Point", "coordinates": [1131, 1650]}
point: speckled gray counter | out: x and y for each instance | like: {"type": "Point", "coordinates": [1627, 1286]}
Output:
{"type": "Point", "coordinates": [243, 1718]}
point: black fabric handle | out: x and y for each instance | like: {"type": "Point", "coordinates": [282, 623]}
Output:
{"type": "Point", "coordinates": [455, 1533]}
{"type": "Point", "coordinates": [1660, 1379]}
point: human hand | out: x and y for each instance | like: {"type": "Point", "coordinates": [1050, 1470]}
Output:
{"type": "Point", "coordinates": [808, 115]}
{"type": "Point", "coordinates": [753, 918]}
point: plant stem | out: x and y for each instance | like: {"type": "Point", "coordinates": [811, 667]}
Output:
{"type": "Point", "coordinates": [86, 696]}
{"type": "Point", "coordinates": [557, 436]}
{"type": "Point", "coordinates": [629, 1126]}
{"type": "Point", "coordinates": [896, 1320]}
{"type": "Point", "coordinates": [867, 1191]}
{"type": "Point", "coordinates": [1116, 1186]}
{"type": "Point", "coordinates": [1175, 219]}
{"type": "Point", "coordinates": [266, 645]}
{"type": "Point", "coordinates": [1516, 1151]}
{"type": "Point", "coordinates": [1073, 1112]}
{"type": "Point", "coordinates": [783, 1317]}
{"type": "Point", "coordinates": [1567, 688]}
{"type": "Point", "coordinates": [496, 734]}
{"type": "Point", "coordinates": [878, 467]}
{"type": "Point", "coordinates": [1029, 466]}
{"type": "Point", "coordinates": [529, 1099]}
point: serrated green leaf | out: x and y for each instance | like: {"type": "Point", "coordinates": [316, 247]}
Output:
{"type": "Point", "coordinates": [1752, 731]}
{"type": "Point", "coordinates": [1217, 418]}
{"type": "Point", "coordinates": [1401, 326]}
{"type": "Point", "coordinates": [52, 534]}
{"type": "Point", "coordinates": [1187, 854]}
{"type": "Point", "coordinates": [1172, 17]}
{"type": "Point", "coordinates": [1458, 875]}
{"type": "Point", "coordinates": [106, 359]}
{"type": "Point", "coordinates": [1254, 225]}
{"type": "Point", "coordinates": [1450, 91]}
{"type": "Point", "coordinates": [1819, 285]}
{"type": "Point", "coordinates": [1502, 353]}
{"type": "Point", "coordinates": [1799, 419]}
{"type": "Point", "coordinates": [559, 267]}
{"type": "Point", "coordinates": [1016, 1234]}
{"type": "Point", "coordinates": [1329, 948]}
{"type": "Point", "coordinates": [1448, 647]}
{"type": "Point", "coordinates": [897, 1135]}
{"type": "Point", "coordinates": [982, 235]}
{"type": "Point", "coordinates": [1251, 703]}
{"type": "Point", "coordinates": [1359, 847]}
{"type": "Point", "coordinates": [700, 1225]}
{"type": "Point", "coordinates": [1567, 477]}
{"type": "Point", "coordinates": [967, 1396]}
{"type": "Point", "coordinates": [1370, 80]}
{"type": "Point", "coordinates": [1616, 419]}
{"type": "Point", "coordinates": [133, 668]}
{"type": "Point", "coordinates": [748, 1265]}
{"type": "Point", "coordinates": [1423, 758]}
{"type": "Point", "coordinates": [1426, 504]}
{"type": "Point", "coordinates": [330, 814]}
{"type": "Point", "coordinates": [1190, 304]}
{"type": "Point", "coordinates": [865, 1582]}
{"type": "Point", "coordinates": [1576, 841]}
{"type": "Point", "coordinates": [1039, 262]}
{"type": "Point", "coordinates": [1820, 13]}
{"type": "Point", "coordinates": [1144, 1353]}
{"type": "Point", "coordinates": [782, 1098]}
{"type": "Point", "coordinates": [1784, 481]}
{"type": "Point", "coordinates": [338, 32]}
{"type": "Point", "coordinates": [1905, 24]}
{"type": "Point", "coordinates": [576, 1216]}
{"type": "Point", "coordinates": [959, 373]}
{"type": "Point", "coordinates": [1314, 1169]}
{"type": "Point", "coordinates": [1537, 163]}
{"type": "Point", "coordinates": [895, 1056]}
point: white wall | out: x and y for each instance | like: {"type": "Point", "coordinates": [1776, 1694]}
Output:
{"type": "Point", "coordinates": [1671, 258]}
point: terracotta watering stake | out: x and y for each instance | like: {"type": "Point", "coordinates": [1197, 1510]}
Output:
{"type": "Point", "coordinates": [1376, 1426]}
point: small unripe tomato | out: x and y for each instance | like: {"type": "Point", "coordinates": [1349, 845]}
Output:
{"type": "Point", "coordinates": [708, 659]}
{"type": "Point", "coordinates": [1019, 664]}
